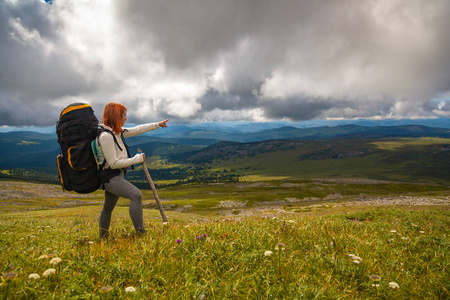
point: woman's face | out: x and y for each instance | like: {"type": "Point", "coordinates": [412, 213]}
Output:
{"type": "Point", "coordinates": [124, 117]}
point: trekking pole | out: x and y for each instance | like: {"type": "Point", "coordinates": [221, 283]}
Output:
{"type": "Point", "coordinates": [152, 185]}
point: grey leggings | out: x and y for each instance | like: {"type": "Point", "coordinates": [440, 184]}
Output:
{"type": "Point", "coordinates": [119, 187]}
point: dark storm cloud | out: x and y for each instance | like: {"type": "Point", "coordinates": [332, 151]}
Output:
{"type": "Point", "coordinates": [14, 112]}
{"type": "Point", "coordinates": [296, 109]}
{"type": "Point", "coordinates": [229, 101]}
{"type": "Point", "coordinates": [198, 35]}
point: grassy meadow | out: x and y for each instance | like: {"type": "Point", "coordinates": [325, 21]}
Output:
{"type": "Point", "coordinates": [300, 223]}
{"type": "Point", "coordinates": [288, 250]}
{"type": "Point", "coordinates": [368, 254]}
{"type": "Point", "coordinates": [394, 159]}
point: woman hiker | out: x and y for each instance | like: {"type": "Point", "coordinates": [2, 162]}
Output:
{"type": "Point", "coordinates": [111, 147]}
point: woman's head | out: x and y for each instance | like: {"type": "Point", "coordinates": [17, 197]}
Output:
{"type": "Point", "coordinates": [114, 116]}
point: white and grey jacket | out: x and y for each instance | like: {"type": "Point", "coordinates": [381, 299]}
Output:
{"type": "Point", "coordinates": [109, 150]}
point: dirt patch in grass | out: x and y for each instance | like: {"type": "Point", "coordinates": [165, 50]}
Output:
{"type": "Point", "coordinates": [400, 200]}
{"type": "Point", "coordinates": [252, 185]}
{"type": "Point", "coordinates": [289, 184]}
{"type": "Point", "coordinates": [351, 181]}
{"type": "Point", "coordinates": [231, 204]}
{"type": "Point", "coordinates": [10, 190]}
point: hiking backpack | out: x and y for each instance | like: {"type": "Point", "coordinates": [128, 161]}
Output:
{"type": "Point", "coordinates": [77, 129]}
{"type": "Point", "coordinates": [78, 166]}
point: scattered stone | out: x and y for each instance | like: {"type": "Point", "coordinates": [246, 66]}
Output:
{"type": "Point", "coordinates": [231, 204]}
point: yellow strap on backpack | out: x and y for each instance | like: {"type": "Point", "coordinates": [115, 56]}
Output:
{"type": "Point", "coordinates": [71, 108]}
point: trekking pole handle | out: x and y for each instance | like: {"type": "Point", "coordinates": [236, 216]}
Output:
{"type": "Point", "coordinates": [140, 152]}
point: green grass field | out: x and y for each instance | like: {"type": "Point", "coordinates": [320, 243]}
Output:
{"type": "Point", "coordinates": [267, 247]}
{"type": "Point", "coordinates": [378, 253]}
{"type": "Point", "coordinates": [397, 159]}
{"type": "Point", "coordinates": [299, 224]}
{"type": "Point", "coordinates": [394, 144]}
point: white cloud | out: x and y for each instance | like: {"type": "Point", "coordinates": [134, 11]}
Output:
{"type": "Point", "coordinates": [218, 115]}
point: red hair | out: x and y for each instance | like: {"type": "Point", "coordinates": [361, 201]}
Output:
{"type": "Point", "coordinates": [112, 116]}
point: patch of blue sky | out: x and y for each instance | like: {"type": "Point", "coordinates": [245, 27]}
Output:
{"type": "Point", "coordinates": [441, 102]}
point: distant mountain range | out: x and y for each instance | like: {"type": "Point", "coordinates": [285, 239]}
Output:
{"type": "Point", "coordinates": [244, 126]}
{"type": "Point", "coordinates": [290, 132]}
{"type": "Point", "coordinates": [38, 150]}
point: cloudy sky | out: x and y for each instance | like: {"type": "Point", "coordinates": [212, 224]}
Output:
{"type": "Point", "coordinates": [223, 60]}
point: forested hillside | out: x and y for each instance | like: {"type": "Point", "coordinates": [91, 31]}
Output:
{"type": "Point", "coordinates": [411, 153]}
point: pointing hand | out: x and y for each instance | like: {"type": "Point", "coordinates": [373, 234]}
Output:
{"type": "Point", "coordinates": [163, 123]}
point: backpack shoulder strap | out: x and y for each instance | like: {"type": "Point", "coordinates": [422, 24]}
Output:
{"type": "Point", "coordinates": [102, 129]}
{"type": "Point", "coordinates": [109, 131]}
{"type": "Point", "coordinates": [126, 147]}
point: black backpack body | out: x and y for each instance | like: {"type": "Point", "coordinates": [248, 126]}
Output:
{"type": "Point", "coordinates": [78, 169]}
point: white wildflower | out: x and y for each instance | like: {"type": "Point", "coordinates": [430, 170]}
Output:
{"type": "Point", "coordinates": [394, 231]}
{"type": "Point", "coordinates": [34, 276]}
{"type": "Point", "coordinates": [49, 272]}
{"type": "Point", "coordinates": [422, 231]}
{"type": "Point", "coordinates": [90, 242]}
{"type": "Point", "coordinates": [394, 285]}
{"type": "Point", "coordinates": [357, 258]}
{"type": "Point", "coordinates": [55, 260]}
{"type": "Point", "coordinates": [404, 238]}
{"type": "Point", "coordinates": [356, 262]}
{"type": "Point", "coordinates": [43, 256]}
{"type": "Point", "coordinates": [268, 253]}
{"type": "Point", "coordinates": [130, 289]}
{"type": "Point", "coordinates": [376, 285]}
